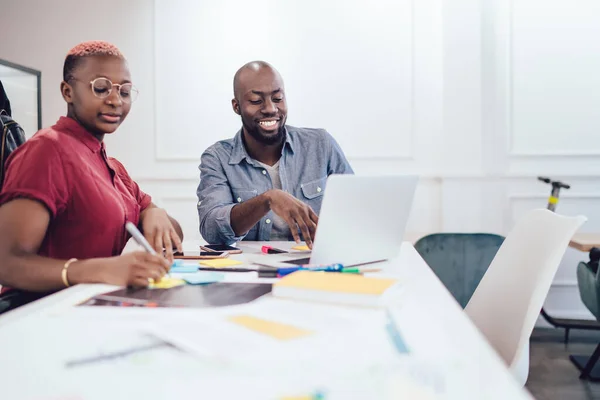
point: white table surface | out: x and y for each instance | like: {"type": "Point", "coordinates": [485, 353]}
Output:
{"type": "Point", "coordinates": [36, 338]}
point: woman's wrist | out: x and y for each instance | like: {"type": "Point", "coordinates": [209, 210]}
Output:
{"type": "Point", "coordinates": [85, 271]}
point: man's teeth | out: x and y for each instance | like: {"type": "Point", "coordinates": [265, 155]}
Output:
{"type": "Point", "coordinates": [267, 123]}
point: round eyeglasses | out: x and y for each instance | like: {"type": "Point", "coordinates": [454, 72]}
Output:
{"type": "Point", "coordinates": [102, 88]}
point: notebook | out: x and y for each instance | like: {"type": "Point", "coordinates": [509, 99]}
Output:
{"type": "Point", "coordinates": [219, 294]}
{"type": "Point", "coordinates": [337, 288]}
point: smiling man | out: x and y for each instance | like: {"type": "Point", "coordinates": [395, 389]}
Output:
{"type": "Point", "coordinates": [267, 183]}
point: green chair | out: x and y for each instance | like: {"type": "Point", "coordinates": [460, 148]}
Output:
{"type": "Point", "coordinates": [459, 259]}
{"type": "Point", "coordinates": [588, 280]}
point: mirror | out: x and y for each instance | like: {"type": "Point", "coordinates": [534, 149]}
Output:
{"type": "Point", "coordinates": [23, 89]}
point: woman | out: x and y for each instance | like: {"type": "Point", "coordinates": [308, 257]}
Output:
{"type": "Point", "coordinates": [64, 203]}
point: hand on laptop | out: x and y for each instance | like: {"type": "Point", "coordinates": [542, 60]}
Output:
{"type": "Point", "coordinates": [296, 213]}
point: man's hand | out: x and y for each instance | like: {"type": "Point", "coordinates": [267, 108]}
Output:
{"type": "Point", "coordinates": [159, 231]}
{"type": "Point", "coordinates": [295, 213]}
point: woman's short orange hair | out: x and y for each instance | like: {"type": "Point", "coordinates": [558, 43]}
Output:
{"type": "Point", "coordinates": [87, 49]}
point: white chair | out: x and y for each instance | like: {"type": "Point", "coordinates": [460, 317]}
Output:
{"type": "Point", "coordinates": [508, 300]}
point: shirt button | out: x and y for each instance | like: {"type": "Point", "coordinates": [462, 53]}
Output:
{"type": "Point", "coordinates": [239, 199]}
{"type": "Point", "coordinates": [268, 221]}
{"type": "Point", "coordinates": [319, 189]}
{"type": "Point", "coordinates": [264, 172]}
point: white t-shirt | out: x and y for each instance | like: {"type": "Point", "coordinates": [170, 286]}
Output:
{"type": "Point", "coordinates": [280, 229]}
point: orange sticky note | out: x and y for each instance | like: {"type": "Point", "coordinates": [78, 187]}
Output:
{"type": "Point", "coordinates": [276, 330]}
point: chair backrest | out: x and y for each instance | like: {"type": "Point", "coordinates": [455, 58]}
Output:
{"type": "Point", "coordinates": [459, 259]}
{"type": "Point", "coordinates": [588, 282]}
{"type": "Point", "coordinates": [511, 294]}
{"type": "Point", "coordinates": [11, 137]}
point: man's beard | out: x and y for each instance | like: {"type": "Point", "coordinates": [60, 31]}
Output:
{"type": "Point", "coordinates": [264, 139]}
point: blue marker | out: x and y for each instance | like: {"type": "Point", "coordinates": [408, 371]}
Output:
{"type": "Point", "coordinates": [324, 268]}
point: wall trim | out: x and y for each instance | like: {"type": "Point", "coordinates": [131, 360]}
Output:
{"type": "Point", "coordinates": [512, 153]}
{"type": "Point", "coordinates": [163, 159]}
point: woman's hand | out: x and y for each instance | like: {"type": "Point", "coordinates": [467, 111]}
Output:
{"type": "Point", "coordinates": [131, 269]}
{"type": "Point", "coordinates": [159, 231]}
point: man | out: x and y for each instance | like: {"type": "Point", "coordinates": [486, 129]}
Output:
{"type": "Point", "coordinates": [267, 183]}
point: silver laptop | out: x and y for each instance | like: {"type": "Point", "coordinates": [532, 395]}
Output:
{"type": "Point", "coordinates": [362, 219]}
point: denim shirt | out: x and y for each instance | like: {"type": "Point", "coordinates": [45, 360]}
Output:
{"type": "Point", "coordinates": [228, 176]}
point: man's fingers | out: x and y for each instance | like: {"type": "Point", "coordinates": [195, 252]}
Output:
{"type": "Point", "coordinates": [305, 232]}
{"type": "Point", "coordinates": [312, 228]}
{"type": "Point", "coordinates": [293, 228]}
{"type": "Point", "coordinates": [309, 220]}
{"type": "Point", "coordinates": [313, 216]}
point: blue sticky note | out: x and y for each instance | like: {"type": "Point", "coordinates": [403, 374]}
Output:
{"type": "Point", "coordinates": [204, 277]}
{"type": "Point", "coordinates": [184, 268]}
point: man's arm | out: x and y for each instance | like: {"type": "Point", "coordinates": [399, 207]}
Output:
{"type": "Point", "coordinates": [215, 202]}
{"type": "Point", "coordinates": [294, 212]}
{"type": "Point", "coordinates": [338, 164]}
{"type": "Point", "coordinates": [247, 214]}
{"type": "Point", "coordinates": [224, 221]}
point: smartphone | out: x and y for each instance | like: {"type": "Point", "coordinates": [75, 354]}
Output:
{"type": "Point", "coordinates": [221, 247]}
{"type": "Point", "coordinates": [200, 255]}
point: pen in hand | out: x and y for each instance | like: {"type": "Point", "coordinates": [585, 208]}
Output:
{"type": "Point", "coordinates": [140, 239]}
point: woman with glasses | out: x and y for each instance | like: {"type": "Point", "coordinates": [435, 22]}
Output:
{"type": "Point", "coordinates": [64, 203]}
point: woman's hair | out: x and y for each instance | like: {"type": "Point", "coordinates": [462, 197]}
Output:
{"type": "Point", "coordinates": [87, 49]}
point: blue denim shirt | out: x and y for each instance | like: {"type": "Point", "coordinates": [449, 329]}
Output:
{"type": "Point", "coordinates": [228, 176]}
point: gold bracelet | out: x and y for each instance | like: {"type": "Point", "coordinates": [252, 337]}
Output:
{"type": "Point", "coordinates": [64, 271]}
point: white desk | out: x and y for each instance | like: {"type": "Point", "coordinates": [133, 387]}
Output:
{"type": "Point", "coordinates": [35, 340]}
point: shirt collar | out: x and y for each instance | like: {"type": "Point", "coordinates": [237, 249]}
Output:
{"type": "Point", "coordinates": [239, 150]}
{"type": "Point", "coordinates": [73, 128]}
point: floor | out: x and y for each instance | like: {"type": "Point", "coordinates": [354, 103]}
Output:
{"type": "Point", "coordinates": [552, 376]}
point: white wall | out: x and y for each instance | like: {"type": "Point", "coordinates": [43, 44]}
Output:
{"type": "Point", "coordinates": [483, 95]}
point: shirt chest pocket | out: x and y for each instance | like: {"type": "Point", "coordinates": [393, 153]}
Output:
{"type": "Point", "coordinates": [314, 189]}
{"type": "Point", "coordinates": [243, 194]}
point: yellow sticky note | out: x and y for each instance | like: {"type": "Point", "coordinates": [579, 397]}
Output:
{"type": "Point", "coordinates": [301, 247]}
{"type": "Point", "coordinates": [333, 282]}
{"type": "Point", "coordinates": [166, 283]}
{"type": "Point", "coordinates": [274, 329]}
{"type": "Point", "coordinates": [220, 262]}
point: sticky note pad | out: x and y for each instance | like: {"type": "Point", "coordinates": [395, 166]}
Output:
{"type": "Point", "coordinates": [350, 289]}
{"type": "Point", "coordinates": [204, 277]}
{"type": "Point", "coordinates": [336, 283]}
{"type": "Point", "coordinates": [270, 328]}
{"type": "Point", "coordinates": [220, 262]}
{"type": "Point", "coordinates": [301, 247]}
{"type": "Point", "coordinates": [166, 283]}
